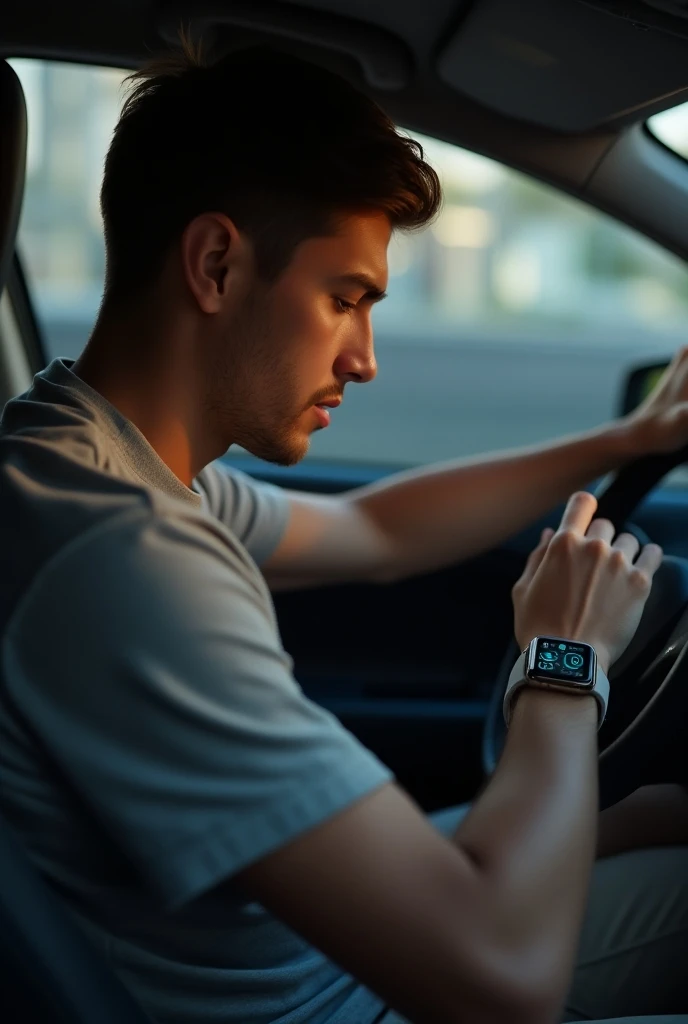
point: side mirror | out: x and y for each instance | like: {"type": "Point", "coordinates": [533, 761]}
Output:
{"type": "Point", "coordinates": [639, 383]}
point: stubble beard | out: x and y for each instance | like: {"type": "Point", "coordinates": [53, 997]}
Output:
{"type": "Point", "coordinates": [251, 396]}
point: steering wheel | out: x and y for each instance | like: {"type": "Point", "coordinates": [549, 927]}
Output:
{"type": "Point", "coordinates": [642, 739]}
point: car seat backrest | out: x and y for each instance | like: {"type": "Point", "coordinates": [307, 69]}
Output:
{"type": "Point", "coordinates": [12, 164]}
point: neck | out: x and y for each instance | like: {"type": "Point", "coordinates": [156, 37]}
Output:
{"type": "Point", "coordinates": [143, 366]}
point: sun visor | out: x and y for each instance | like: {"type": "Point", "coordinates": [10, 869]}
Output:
{"type": "Point", "coordinates": [564, 64]}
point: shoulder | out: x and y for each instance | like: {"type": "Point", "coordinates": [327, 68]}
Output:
{"type": "Point", "coordinates": [150, 564]}
{"type": "Point", "coordinates": [256, 513]}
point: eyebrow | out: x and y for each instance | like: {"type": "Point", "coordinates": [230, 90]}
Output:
{"type": "Point", "coordinates": [372, 291]}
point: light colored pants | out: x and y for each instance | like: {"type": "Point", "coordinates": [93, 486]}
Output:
{"type": "Point", "coordinates": [633, 954]}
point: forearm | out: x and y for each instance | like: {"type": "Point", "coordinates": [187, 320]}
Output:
{"type": "Point", "coordinates": [532, 835]}
{"type": "Point", "coordinates": [652, 816]}
{"type": "Point", "coordinates": [444, 514]}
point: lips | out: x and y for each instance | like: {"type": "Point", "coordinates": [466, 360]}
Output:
{"type": "Point", "coordinates": [322, 414]}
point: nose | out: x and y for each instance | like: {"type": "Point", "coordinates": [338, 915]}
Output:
{"type": "Point", "coordinates": [356, 362]}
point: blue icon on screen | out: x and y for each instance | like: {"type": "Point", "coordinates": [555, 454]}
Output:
{"type": "Point", "coordinates": [573, 661]}
{"type": "Point", "coordinates": [547, 666]}
{"type": "Point", "coordinates": [562, 647]}
{"type": "Point", "coordinates": [549, 655]}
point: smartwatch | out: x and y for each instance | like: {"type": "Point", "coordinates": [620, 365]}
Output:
{"type": "Point", "coordinates": [554, 663]}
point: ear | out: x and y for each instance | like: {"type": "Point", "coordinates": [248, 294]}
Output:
{"type": "Point", "coordinates": [214, 260]}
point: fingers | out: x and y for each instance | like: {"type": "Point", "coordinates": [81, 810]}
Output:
{"type": "Point", "coordinates": [680, 356]}
{"type": "Point", "coordinates": [536, 556]}
{"type": "Point", "coordinates": [679, 359]}
{"type": "Point", "coordinates": [675, 372]}
{"type": "Point", "coordinates": [578, 513]}
{"type": "Point", "coordinates": [602, 529]}
{"type": "Point", "coordinates": [649, 559]}
{"type": "Point", "coordinates": [629, 544]}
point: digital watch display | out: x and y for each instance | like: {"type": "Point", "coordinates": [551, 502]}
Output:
{"type": "Point", "coordinates": [566, 661]}
{"type": "Point", "coordinates": [556, 663]}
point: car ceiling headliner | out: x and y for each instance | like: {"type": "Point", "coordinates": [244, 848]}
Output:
{"type": "Point", "coordinates": [555, 88]}
{"type": "Point", "coordinates": [560, 64]}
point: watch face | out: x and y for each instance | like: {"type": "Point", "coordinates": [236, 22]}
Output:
{"type": "Point", "coordinates": [561, 661]}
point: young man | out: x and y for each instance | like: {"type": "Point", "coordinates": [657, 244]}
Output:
{"type": "Point", "coordinates": [236, 854]}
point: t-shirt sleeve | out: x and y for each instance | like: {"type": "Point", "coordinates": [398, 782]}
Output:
{"type": "Point", "coordinates": [255, 512]}
{"type": "Point", "coordinates": [160, 689]}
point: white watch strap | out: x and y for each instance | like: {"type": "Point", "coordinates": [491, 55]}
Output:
{"type": "Point", "coordinates": [517, 680]}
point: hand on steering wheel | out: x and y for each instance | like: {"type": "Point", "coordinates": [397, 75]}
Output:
{"type": "Point", "coordinates": [643, 737]}
{"type": "Point", "coordinates": [583, 584]}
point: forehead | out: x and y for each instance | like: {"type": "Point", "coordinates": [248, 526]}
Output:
{"type": "Point", "coordinates": [358, 246]}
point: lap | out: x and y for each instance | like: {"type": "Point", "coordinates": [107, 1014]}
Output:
{"type": "Point", "coordinates": [633, 950]}
{"type": "Point", "coordinates": [633, 953]}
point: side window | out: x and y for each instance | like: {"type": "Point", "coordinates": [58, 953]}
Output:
{"type": "Point", "coordinates": [510, 320]}
{"type": "Point", "coordinates": [72, 111]}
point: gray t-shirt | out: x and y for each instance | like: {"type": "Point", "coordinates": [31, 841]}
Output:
{"type": "Point", "coordinates": [153, 740]}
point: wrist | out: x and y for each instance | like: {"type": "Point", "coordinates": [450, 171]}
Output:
{"type": "Point", "coordinates": [637, 434]}
{"type": "Point", "coordinates": [603, 659]}
{"type": "Point", "coordinates": [560, 665]}
{"type": "Point", "coordinates": [621, 441]}
{"type": "Point", "coordinates": [531, 701]}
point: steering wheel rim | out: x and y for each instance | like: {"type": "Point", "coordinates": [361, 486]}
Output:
{"type": "Point", "coordinates": [657, 656]}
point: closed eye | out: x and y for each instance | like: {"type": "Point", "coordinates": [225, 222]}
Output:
{"type": "Point", "coordinates": [343, 306]}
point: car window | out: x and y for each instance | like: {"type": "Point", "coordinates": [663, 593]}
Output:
{"type": "Point", "coordinates": [510, 320]}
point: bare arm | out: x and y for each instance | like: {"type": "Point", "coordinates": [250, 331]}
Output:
{"type": "Point", "coordinates": [482, 931]}
{"type": "Point", "coordinates": [428, 518]}
{"type": "Point", "coordinates": [535, 829]}
{"type": "Point", "coordinates": [425, 519]}
{"type": "Point", "coordinates": [439, 516]}
{"type": "Point", "coordinates": [444, 514]}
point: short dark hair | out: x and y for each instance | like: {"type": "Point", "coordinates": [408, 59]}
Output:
{"type": "Point", "coordinates": [278, 144]}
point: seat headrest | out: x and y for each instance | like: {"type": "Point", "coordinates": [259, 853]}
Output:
{"type": "Point", "coordinates": [12, 164]}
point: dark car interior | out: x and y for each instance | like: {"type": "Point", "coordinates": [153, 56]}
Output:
{"type": "Point", "coordinates": [412, 668]}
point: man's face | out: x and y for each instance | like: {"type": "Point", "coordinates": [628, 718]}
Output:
{"type": "Point", "coordinates": [299, 341]}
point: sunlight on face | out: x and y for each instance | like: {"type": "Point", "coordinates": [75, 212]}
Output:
{"type": "Point", "coordinates": [305, 337]}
